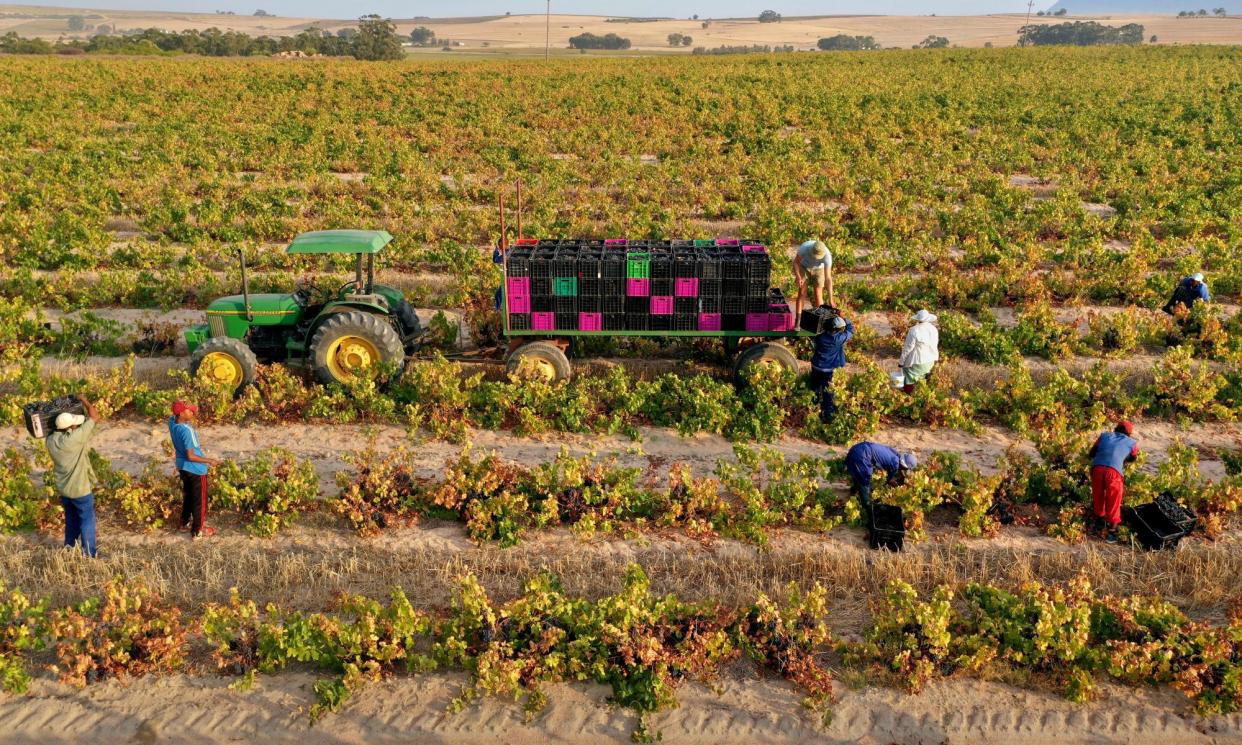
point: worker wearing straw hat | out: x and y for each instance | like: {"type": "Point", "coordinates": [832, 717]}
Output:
{"type": "Point", "coordinates": [920, 351]}
{"type": "Point", "coordinates": [813, 269]}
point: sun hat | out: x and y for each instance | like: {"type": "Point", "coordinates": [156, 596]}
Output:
{"type": "Point", "coordinates": [924, 316]}
{"type": "Point", "coordinates": [818, 249]}
{"type": "Point", "coordinates": [1126, 426]}
{"type": "Point", "coordinates": [181, 407]}
{"type": "Point", "coordinates": [909, 461]}
{"type": "Point", "coordinates": [66, 420]}
{"type": "Point", "coordinates": [838, 322]}
{"type": "Point", "coordinates": [1197, 276]}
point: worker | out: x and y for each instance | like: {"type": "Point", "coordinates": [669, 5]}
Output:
{"type": "Point", "coordinates": [1109, 454]}
{"type": "Point", "coordinates": [865, 458]}
{"type": "Point", "coordinates": [192, 467]}
{"type": "Point", "coordinates": [920, 351]}
{"type": "Point", "coordinates": [813, 268]}
{"type": "Point", "coordinates": [70, 448]}
{"type": "Point", "coordinates": [498, 258]}
{"type": "Point", "coordinates": [1189, 291]}
{"type": "Point", "coordinates": [829, 356]}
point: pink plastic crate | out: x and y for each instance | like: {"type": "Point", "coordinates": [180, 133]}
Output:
{"type": "Point", "coordinates": [526, 242]}
{"type": "Point", "coordinates": [637, 287]}
{"type": "Point", "coordinates": [616, 242]}
{"type": "Point", "coordinates": [519, 287]}
{"type": "Point", "coordinates": [661, 305]}
{"type": "Point", "coordinates": [727, 241]}
{"type": "Point", "coordinates": [709, 322]}
{"type": "Point", "coordinates": [590, 321]}
{"type": "Point", "coordinates": [519, 304]}
{"type": "Point", "coordinates": [780, 321]}
{"type": "Point", "coordinates": [754, 248]}
{"type": "Point", "coordinates": [756, 321]}
{"type": "Point", "coordinates": [686, 287]}
{"type": "Point", "coordinates": [543, 321]}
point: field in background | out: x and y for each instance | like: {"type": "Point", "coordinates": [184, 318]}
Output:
{"type": "Point", "coordinates": [526, 32]}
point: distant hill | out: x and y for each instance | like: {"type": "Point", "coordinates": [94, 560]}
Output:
{"type": "Point", "coordinates": [1144, 7]}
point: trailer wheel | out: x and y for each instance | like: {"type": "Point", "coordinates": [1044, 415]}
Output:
{"type": "Point", "coordinates": [765, 353]}
{"type": "Point", "coordinates": [224, 361]}
{"type": "Point", "coordinates": [540, 360]}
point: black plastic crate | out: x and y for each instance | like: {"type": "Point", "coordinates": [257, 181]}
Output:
{"type": "Point", "coordinates": [662, 286]}
{"type": "Point", "coordinates": [637, 321]}
{"type": "Point", "coordinates": [686, 305]}
{"type": "Point", "coordinates": [40, 416]}
{"type": "Point", "coordinates": [612, 304]}
{"type": "Point", "coordinates": [519, 321]}
{"type": "Point", "coordinates": [637, 305]}
{"type": "Point", "coordinates": [1178, 514]}
{"type": "Point", "coordinates": [517, 265]}
{"type": "Point", "coordinates": [541, 286]}
{"type": "Point", "coordinates": [613, 286]}
{"type": "Point", "coordinates": [709, 288]}
{"type": "Point", "coordinates": [590, 304]}
{"type": "Point", "coordinates": [817, 320]}
{"type": "Point", "coordinates": [612, 264]}
{"type": "Point", "coordinates": [733, 322]}
{"type": "Point", "coordinates": [733, 305]}
{"type": "Point", "coordinates": [565, 263]}
{"type": "Point", "coordinates": [541, 303]}
{"type": "Point", "coordinates": [661, 265]}
{"type": "Point", "coordinates": [685, 321]}
{"type": "Point", "coordinates": [590, 265]}
{"type": "Point", "coordinates": [687, 264]}
{"type": "Point", "coordinates": [567, 321]}
{"type": "Point", "coordinates": [677, 243]}
{"type": "Point", "coordinates": [733, 287]}
{"type": "Point", "coordinates": [565, 304]}
{"type": "Point", "coordinates": [589, 286]}
{"type": "Point", "coordinates": [757, 271]}
{"type": "Point", "coordinates": [1152, 528]}
{"type": "Point", "coordinates": [710, 304]}
{"type": "Point", "coordinates": [887, 527]}
{"type": "Point", "coordinates": [731, 267]}
{"type": "Point", "coordinates": [757, 289]}
{"type": "Point", "coordinates": [661, 323]}
{"type": "Point", "coordinates": [757, 305]}
{"type": "Point", "coordinates": [613, 321]}
{"type": "Point", "coordinates": [592, 243]}
{"type": "Point", "coordinates": [548, 243]}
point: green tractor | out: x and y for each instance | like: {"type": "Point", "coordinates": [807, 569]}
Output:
{"type": "Point", "coordinates": [338, 335]}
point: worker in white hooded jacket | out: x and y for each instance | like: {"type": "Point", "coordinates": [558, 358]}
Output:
{"type": "Point", "coordinates": [921, 350]}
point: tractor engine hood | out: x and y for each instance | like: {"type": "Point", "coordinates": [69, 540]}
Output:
{"type": "Point", "coordinates": [268, 309]}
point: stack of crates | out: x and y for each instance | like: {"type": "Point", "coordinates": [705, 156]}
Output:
{"type": "Point", "coordinates": [633, 285]}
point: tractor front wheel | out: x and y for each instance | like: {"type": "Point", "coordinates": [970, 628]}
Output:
{"type": "Point", "coordinates": [352, 342]}
{"type": "Point", "coordinates": [224, 361]}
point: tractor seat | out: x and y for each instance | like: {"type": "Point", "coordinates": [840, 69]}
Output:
{"type": "Point", "coordinates": [373, 299]}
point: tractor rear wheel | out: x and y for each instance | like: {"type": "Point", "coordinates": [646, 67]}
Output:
{"type": "Point", "coordinates": [540, 360]}
{"type": "Point", "coordinates": [224, 361]}
{"type": "Point", "coordinates": [350, 342]}
{"type": "Point", "coordinates": [764, 353]}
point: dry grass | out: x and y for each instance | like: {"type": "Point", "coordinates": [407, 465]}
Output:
{"type": "Point", "coordinates": [1200, 577]}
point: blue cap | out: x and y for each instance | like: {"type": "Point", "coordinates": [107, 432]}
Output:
{"type": "Point", "coordinates": [909, 461]}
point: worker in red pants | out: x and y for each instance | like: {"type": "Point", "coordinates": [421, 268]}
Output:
{"type": "Point", "coordinates": [1109, 454]}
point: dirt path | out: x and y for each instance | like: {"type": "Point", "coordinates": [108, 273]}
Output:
{"type": "Point", "coordinates": [743, 709]}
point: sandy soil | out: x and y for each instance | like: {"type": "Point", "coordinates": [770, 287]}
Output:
{"type": "Point", "coordinates": [528, 31]}
{"type": "Point", "coordinates": [742, 709]}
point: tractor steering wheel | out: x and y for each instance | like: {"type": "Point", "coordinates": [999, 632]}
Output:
{"type": "Point", "coordinates": [306, 291]}
{"type": "Point", "coordinates": [348, 288]}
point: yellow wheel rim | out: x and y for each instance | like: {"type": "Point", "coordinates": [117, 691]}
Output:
{"type": "Point", "coordinates": [535, 368]}
{"type": "Point", "coordinates": [349, 355]}
{"type": "Point", "coordinates": [221, 368]}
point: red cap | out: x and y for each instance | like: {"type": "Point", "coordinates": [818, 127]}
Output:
{"type": "Point", "coordinates": [1125, 426]}
{"type": "Point", "coordinates": [181, 407]}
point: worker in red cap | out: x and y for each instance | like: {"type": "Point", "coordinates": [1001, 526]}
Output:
{"type": "Point", "coordinates": [192, 467]}
{"type": "Point", "coordinates": [1109, 454]}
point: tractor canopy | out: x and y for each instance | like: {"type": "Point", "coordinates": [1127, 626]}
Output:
{"type": "Point", "coordinates": [340, 242]}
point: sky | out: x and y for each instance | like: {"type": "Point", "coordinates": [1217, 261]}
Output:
{"type": "Point", "coordinates": [676, 8]}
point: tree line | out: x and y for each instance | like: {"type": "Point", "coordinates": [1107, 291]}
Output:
{"type": "Point", "coordinates": [1080, 33]}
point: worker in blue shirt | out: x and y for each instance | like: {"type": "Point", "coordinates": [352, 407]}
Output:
{"type": "Point", "coordinates": [1109, 454]}
{"type": "Point", "coordinates": [192, 467]}
{"type": "Point", "coordinates": [865, 458]}
{"type": "Point", "coordinates": [1189, 291]}
{"type": "Point", "coordinates": [829, 355]}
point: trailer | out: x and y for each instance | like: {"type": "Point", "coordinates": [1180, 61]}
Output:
{"type": "Point", "coordinates": [590, 297]}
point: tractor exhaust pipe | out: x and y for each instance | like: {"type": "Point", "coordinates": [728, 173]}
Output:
{"type": "Point", "coordinates": [241, 257]}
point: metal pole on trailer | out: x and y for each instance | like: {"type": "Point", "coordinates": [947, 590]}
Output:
{"type": "Point", "coordinates": [519, 209]}
{"type": "Point", "coordinates": [504, 263]}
